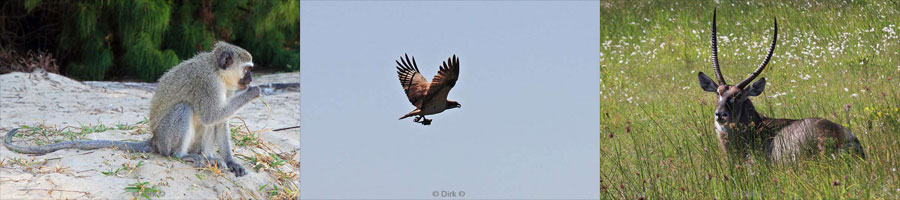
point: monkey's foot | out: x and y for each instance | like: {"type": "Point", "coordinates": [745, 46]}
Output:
{"type": "Point", "coordinates": [236, 168]}
{"type": "Point", "coordinates": [417, 119]}
{"type": "Point", "coordinates": [426, 122]}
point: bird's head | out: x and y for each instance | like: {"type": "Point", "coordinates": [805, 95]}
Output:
{"type": "Point", "coordinates": [453, 104]}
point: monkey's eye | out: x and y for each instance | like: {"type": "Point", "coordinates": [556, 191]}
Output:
{"type": "Point", "coordinates": [731, 100]}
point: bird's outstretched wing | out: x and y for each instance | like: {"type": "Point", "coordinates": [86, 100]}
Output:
{"type": "Point", "coordinates": [414, 84]}
{"type": "Point", "coordinates": [444, 80]}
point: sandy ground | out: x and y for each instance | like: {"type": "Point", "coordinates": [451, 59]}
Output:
{"type": "Point", "coordinates": [50, 99]}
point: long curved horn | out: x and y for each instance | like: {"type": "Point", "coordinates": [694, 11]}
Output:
{"type": "Point", "coordinates": [765, 62]}
{"type": "Point", "coordinates": [715, 52]}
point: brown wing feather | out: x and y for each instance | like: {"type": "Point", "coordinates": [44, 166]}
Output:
{"type": "Point", "coordinates": [414, 84]}
{"type": "Point", "coordinates": [444, 80]}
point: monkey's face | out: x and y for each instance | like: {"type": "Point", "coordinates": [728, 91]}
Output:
{"type": "Point", "coordinates": [244, 82]}
{"type": "Point", "coordinates": [234, 68]}
{"type": "Point", "coordinates": [237, 77]}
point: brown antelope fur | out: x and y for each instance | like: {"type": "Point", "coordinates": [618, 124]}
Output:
{"type": "Point", "coordinates": [742, 130]}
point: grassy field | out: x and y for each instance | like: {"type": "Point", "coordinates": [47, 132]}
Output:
{"type": "Point", "coordinates": [835, 60]}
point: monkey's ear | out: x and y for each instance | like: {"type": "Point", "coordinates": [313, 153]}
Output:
{"type": "Point", "coordinates": [226, 59]}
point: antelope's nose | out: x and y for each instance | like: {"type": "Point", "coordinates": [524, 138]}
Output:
{"type": "Point", "coordinates": [720, 115]}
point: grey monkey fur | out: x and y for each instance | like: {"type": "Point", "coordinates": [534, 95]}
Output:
{"type": "Point", "coordinates": [188, 111]}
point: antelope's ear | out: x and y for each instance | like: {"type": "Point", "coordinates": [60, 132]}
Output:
{"type": "Point", "coordinates": [706, 83]}
{"type": "Point", "coordinates": [757, 88]}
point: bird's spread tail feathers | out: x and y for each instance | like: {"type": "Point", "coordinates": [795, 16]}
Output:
{"type": "Point", "coordinates": [410, 114]}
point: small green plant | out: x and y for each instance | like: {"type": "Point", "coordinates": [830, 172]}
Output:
{"type": "Point", "coordinates": [124, 127]}
{"type": "Point", "coordinates": [93, 129]}
{"type": "Point", "coordinates": [264, 161]}
{"type": "Point", "coordinates": [143, 189]}
{"type": "Point", "coordinates": [21, 162]}
{"type": "Point", "coordinates": [242, 138]}
{"type": "Point", "coordinates": [110, 172]}
{"type": "Point", "coordinates": [126, 167]}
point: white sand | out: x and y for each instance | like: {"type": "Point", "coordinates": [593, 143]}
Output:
{"type": "Point", "coordinates": [46, 98]}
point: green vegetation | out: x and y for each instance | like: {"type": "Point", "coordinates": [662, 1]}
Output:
{"type": "Point", "coordinates": [836, 60]}
{"type": "Point", "coordinates": [243, 139]}
{"type": "Point", "coordinates": [283, 188]}
{"type": "Point", "coordinates": [126, 167]}
{"type": "Point", "coordinates": [43, 134]}
{"type": "Point", "coordinates": [143, 189]}
{"type": "Point", "coordinates": [270, 159]}
{"type": "Point", "coordinates": [96, 39]}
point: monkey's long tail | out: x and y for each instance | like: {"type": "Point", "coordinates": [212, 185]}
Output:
{"type": "Point", "coordinates": [141, 147]}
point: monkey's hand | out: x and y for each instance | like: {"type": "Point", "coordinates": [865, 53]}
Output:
{"type": "Point", "coordinates": [253, 92]}
{"type": "Point", "coordinates": [236, 168]}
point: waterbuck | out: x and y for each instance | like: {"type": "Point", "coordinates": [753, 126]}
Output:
{"type": "Point", "coordinates": [743, 130]}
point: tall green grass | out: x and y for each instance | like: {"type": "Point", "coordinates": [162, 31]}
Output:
{"type": "Point", "coordinates": [838, 60]}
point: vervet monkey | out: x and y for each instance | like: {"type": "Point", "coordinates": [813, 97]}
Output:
{"type": "Point", "coordinates": [188, 111]}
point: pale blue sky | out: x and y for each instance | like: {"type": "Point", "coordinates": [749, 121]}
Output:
{"type": "Point", "coordinates": [528, 85]}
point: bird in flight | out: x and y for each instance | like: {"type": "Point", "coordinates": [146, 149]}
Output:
{"type": "Point", "coordinates": [429, 98]}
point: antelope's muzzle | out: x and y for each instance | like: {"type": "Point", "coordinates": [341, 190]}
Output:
{"type": "Point", "coordinates": [721, 116]}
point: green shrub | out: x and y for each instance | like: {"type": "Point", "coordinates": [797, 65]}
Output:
{"type": "Point", "coordinates": [145, 38]}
